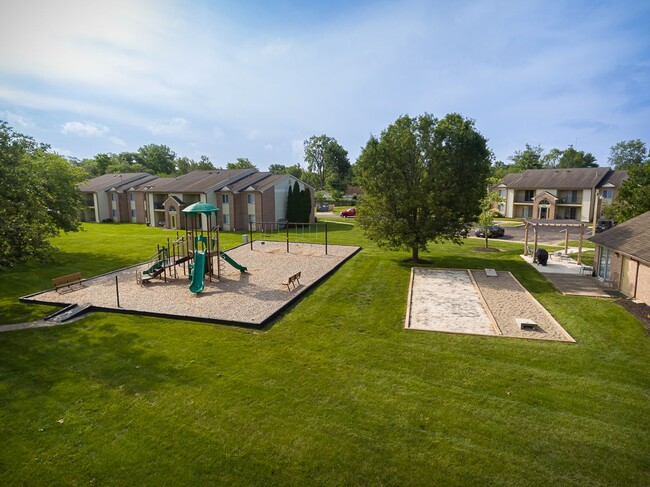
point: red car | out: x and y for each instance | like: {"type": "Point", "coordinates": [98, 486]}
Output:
{"type": "Point", "coordinates": [348, 212]}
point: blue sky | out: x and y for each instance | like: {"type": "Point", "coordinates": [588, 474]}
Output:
{"type": "Point", "coordinates": [254, 79]}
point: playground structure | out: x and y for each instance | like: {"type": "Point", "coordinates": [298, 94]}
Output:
{"type": "Point", "coordinates": [197, 248]}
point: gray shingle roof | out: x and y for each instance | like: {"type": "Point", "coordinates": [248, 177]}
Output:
{"type": "Point", "coordinates": [615, 178]}
{"type": "Point", "coordinates": [631, 238]}
{"type": "Point", "coordinates": [573, 178]}
{"type": "Point", "coordinates": [252, 180]}
{"type": "Point", "coordinates": [199, 181]}
{"type": "Point", "coordinates": [108, 181]}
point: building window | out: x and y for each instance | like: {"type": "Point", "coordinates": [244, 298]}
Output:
{"type": "Point", "coordinates": [112, 196]}
{"type": "Point", "coordinates": [114, 213]}
{"type": "Point", "coordinates": [251, 199]}
{"type": "Point", "coordinates": [132, 196]}
{"type": "Point", "coordinates": [604, 263]}
{"type": "Point", "coordinates": [225, 199]}
{"type": "Point", "coordinates": [251, 218]}
{"type": "Point", "coordinates": [502, 193]}
{"type": "Point", "coordinates": [226, 219]}
{"type": "Point", "coordinates": [132, 213]}
{"type": "Point", "coordinates": [570, 213]}
{"type": "Point", "coordinates": [529, 194]}
{"type": "Point", "coordinates": [608, 194]}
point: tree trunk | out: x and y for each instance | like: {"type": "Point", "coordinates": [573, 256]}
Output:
{"type": "Point", "coordinates": [416, 254]}
{"type": "Point", "coordinates": [486, 239]}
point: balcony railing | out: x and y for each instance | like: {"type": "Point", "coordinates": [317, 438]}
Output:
{"type": "Point", "coordinates": [570, 201]}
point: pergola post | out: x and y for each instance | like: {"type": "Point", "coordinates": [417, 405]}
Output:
{"type": "Point", "coordinates": [526, 239]}
{"type": "Point", "coordinates": [566, 241]}
{"type": "Point", "coordinates": [535, 246]}
{"type": "Point", "coordinates": [582, 231]}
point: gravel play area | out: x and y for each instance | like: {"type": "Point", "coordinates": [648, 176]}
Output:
{"type": "Point", "coordinates": [462, 301]}
{"type": "Point", "coordinates": [249, 298]}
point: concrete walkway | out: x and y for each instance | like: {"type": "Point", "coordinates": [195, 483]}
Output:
{"type": "Point", "coordinates": [569, 278]}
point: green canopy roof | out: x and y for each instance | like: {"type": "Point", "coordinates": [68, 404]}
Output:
{"type": "Point", "coordinates": [201, 207]}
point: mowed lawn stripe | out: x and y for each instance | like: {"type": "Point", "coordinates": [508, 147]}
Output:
{"type": "Point", "coordinates": [334, 392]}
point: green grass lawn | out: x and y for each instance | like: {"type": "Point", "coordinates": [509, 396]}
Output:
{"type": "Point", "coordinates": [335, 392]}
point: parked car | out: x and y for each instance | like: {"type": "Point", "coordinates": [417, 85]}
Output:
{"type": "Point", "coordinates": [493, 231]}
{"type": "Point", "coordinates": [323, 207]}
{"type": "Point", "coordinates": [349, 212]}
{"type": "Point", "coordinates": [602, 225]}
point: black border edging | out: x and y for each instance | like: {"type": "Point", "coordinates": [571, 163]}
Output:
{"type": "Point", "coordinates": [325, 276]}
{"type": "Point", "coordinates": [240, 324]}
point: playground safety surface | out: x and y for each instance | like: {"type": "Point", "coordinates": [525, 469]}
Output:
{"type": "Point", "coordinates": [250, 299]}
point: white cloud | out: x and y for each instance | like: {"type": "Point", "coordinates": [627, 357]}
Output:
{"type": "Point", "coordinates": [84, 129]}
{"type": "Point", "coordinates": [172, 126]}
{"type": "Point", "coordinates": [16, 119]}
{"type": "Point", "coordinates": [117, 141]}
{"type": "Point", "coordinates": [268, 147]}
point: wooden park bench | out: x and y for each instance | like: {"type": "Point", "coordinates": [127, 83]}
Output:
{"type": "Point", "coordinates": [292, 280]}
{"type": "Point", "coordinates": [67, 281]}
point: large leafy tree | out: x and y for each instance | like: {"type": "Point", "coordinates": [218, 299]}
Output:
{"type": "Point", "coordinates": [329, 160]}
{"type": "Point", "coordinates": [157, 158]}
{"type": "Point", "coordinates": [39, 197]}
{"type": "Point", "coordinates": [185, 164]}
{"type": "Point", "coordinates": [529, 158]}
{"type": "Point", "coordinates": [423, 179]}
{"type": "Point", "coordinates": [633, 198]}
{"type": "Point", "coordinates": [628, 154]}
{"type": "Point", "coordinates": [572, 157]}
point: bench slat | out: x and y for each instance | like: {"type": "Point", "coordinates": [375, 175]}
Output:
{"type": "Point", "coordinates": [66, 281]}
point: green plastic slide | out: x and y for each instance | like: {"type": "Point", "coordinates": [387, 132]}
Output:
{"type": "Point", "coordinates": [229, 259]}
{"type": "Point", "coordinates": [198, 272]}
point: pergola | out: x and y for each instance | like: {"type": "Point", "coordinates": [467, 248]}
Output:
{"type": "Point", "coordinates": [566, 224]}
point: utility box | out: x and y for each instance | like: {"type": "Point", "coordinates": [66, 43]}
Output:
{"type": "Point", "coordinates": [244, 239]}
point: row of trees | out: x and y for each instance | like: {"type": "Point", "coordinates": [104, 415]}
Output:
{"type": "Point", "coordinates": [623, 155]}
{"type": "Point", "coordinates": [533, 157]}
{"type": "Point", "coordinates": [327, 164]}
{"type": "Point", "coordinates": [298, 204]}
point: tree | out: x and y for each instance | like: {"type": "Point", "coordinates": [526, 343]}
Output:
{"type": "Point", "coordinates": [242, 163]}
{"type": "Point", "coordinates": [486, 217]}
{"type": "Point", "coordinates": [633, 199]}
{"type": "Point", "coordinates": [529, 158]}
{"type": "Point", "coordinates": [39, 197]}
{"type": "Point", "coordinates": [185, 164]}
{"type": "Point", "coordinates": [158, 159]}
{"type": "Point", "coordinates": [500, 169]}
{"type": "Point", "coordinates": [423, 179]}
{"type": "Point", "coordinates": [574, 158]}
{"type": "Point", "coordinates": [551, 159]}
{"type": "Point", "coordinates": [329, 160]}
{"type": "Point", "coordinates": [628, 154]}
